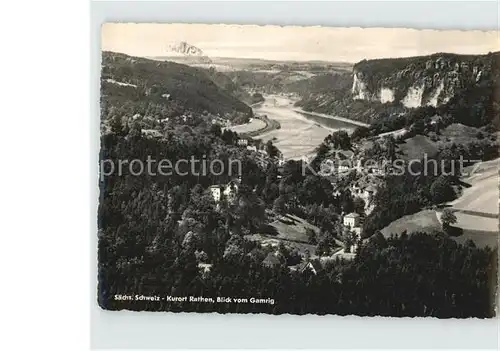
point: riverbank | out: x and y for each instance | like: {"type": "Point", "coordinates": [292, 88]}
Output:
{"type": "Point", "coordinates": [270, 125]}
{"type": "Point", "coordinates": [253, 125]}
{"type": "Point", "coordinates": [259, 125]}
{"type": "Point", "coordinates": [295, 132]}
{"type": "Point", "coordinates": [340, 119]}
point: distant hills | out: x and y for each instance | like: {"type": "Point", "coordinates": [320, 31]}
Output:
{"type": "Point", "coordinates": [139, 85]}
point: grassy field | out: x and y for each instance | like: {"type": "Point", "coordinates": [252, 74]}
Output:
{"type": "Point", "coordinates": [415, 148]}
{"type": "Point", "coordinates": [481, 197]}
{"type": "Point", "coordinates": [290, 230]}
{"type": "Point", "coordinates": [427, 221]}
{"type": "Point", "coordinates": [459, 133]}
{"type": "Point", "coordinates": [423, 221]}
{"type": "Point", "coordinates": [483, 194]}
{"type": "Point", "coordinates": [293, 228]}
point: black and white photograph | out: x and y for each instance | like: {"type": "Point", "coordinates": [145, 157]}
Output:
{"type": "Point", "coordinates": [298, 170]}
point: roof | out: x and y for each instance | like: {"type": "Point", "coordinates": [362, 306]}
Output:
{"type": "Point", "coordinates": [271, 260]}
{"type": "Point", "coordinates": [234, 182]}
{"type": "Point", "coordinates": [345, 154]}
{"type": "Point", "coordinates": [352, 215]}
{"type": "Point", "coordinates": [371, 188]}
{"type": "Point", "coordinates": [316, 265]}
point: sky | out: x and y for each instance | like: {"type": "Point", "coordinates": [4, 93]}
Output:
{"type": "Point", "coordinates": [293, 42]}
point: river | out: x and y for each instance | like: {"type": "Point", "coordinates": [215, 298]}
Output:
{"type": "Point", "coordinates": [300, 133]}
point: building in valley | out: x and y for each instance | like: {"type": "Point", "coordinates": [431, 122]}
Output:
{"type": "Point", "coordinates": [271, 260]}
{"type": "Point", "coordinates": [229, 190]}
{"type": "Point", "coordinates": [352, 220]}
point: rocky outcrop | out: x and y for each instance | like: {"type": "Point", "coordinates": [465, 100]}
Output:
{"type": "Point", "coordinates": [463, 86]}
{"type": "Point", "coordinates": [419, 81]}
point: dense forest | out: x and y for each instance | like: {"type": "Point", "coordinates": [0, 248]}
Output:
{"type": "Point", "coordinates": [155, 231]}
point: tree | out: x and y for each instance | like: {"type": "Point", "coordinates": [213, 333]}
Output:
{"type": "Point", "coordinates": [360, 132]}
{"type": "Point", "coordinates": [346, 201]}
{"type": "Point", "coordinates": [216, 130]}
{"type": "Point", "coordinates": [359, 205]}
{"type": "Point", "coordinates": [418, 127]}
{"type": "Point", "coordinates": [257, 97]}
{"type": "Point", "coordinates": [349, 239]}
{"type": "Point", "coordinates": [311, 236]}
{"type": "Point", "coordinates": [272, 151]}
{"type": "Point", "coordinates": [116, 125]}
{"type": "Point", "coordinates": [229, 137]}
{"type": "Point", "coordinates": [441, 190]}
{"type": "Point", "coordinates": [448, 218]}
{"type": "Point", "coordinates": [135, 132]}
{"type": "Point", "coordinates": [325, 244]}
{"type": "Point", "coordinates": [390, 144]}
{"type": "Point", "coordinates": [340, 140]}
{"type": "Point", "coordinates": [279, 205]}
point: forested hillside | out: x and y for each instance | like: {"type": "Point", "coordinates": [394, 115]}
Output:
{"type": "Point", "coordinates": [131, 85]}
{"type": "Point", "coordinates": [156, 231]}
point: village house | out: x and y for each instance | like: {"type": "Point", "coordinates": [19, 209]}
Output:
{"type": "Point", "coordinates": [313, 266]}
{"type": "Point", "coordinates": [377, 170]}
{"type": "Point", "coordinates": [204, 269]}
{"type": "Point", "coordinates": [369, 192]}
{"type": "Point", "coordinates": [351, 220]}
{"type": "Point", "coordinates": [243, 142]}
{"type": "Point", "coordinates": [342, 162]}
{"type": "Point", "coordinates": [436, 119]}
{"type": "Point", "coordinates": [263, 152]}
{"type": "Point", "coordinates": [365, 188]}
{"type": "Point", "coordinates": [216, 192]}
{"type": "Point", "coordinates": [271, 260]}
{"type": "Point", "coordinates": [151, 133]}
{"type": "Point", "coordinates": [228, 190]}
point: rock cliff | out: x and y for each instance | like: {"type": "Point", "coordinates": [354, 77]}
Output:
{"type": "Point", "coordinates": [379, 88]}
{"type": "Point", "coordinates": [419, 81]}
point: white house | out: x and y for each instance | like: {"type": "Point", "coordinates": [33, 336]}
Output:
{"type": "Point", "coordinates": [263, 152]}
{"type": "Point", "coordinates": [351, 220]}
{"type": "Point", "coordinates": [153, 133]}
{"type": "Point", "coordinates": [243, 142]}
{"type": "Point", "coordinates": [229, 190]}
{"type": "Point", "coordinates": [369, 192]}
{"type": "Point", "coordinates": [216, 192]}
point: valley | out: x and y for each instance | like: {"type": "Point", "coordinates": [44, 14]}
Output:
{"type": "Point", "coordinates": [268, 222]}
